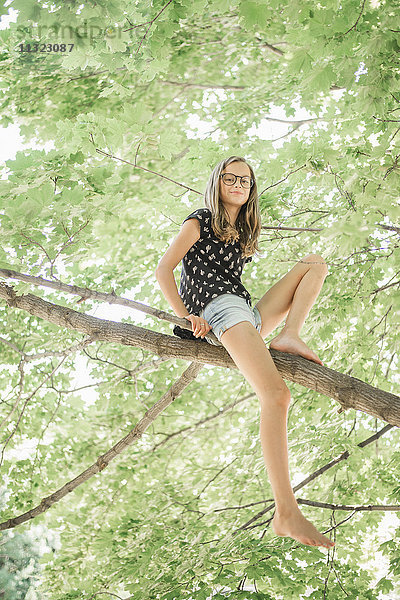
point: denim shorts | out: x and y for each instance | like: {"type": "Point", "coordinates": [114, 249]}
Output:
{"type": "Point", "coordinates": [225, 311]}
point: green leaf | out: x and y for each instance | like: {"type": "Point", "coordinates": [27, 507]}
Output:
{"type": "Point", "coordinates": [253, 13]}
{"type": "Point", "coordinates": [321, 79]}
{"type": "Point", "coordinates": [114, 41]}
{"type": "Point", "coordinates": [300, 62]}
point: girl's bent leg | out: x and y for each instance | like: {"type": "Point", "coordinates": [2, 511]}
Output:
{"type": "Point", "coordinates": [248, 351]}
{"type": "Point", "coordinates": [275, 304]}
{"type": "Point", "coordinates": [293, 297]}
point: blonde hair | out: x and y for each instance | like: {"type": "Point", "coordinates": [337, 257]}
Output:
{"type": "Point", "coordinates": [248, 223]}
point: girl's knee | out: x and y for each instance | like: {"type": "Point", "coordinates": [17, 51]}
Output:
{"type": "Point", "coordinates": [316, 261]}
{"type": "Point", "coordinates": [278, 395]}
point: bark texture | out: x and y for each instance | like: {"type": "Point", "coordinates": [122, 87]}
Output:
{"type": "Point", "coordinates": [349, 391]}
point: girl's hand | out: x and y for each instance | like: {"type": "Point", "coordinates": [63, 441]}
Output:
{"type": "Point", "coordinates": [199, 325]}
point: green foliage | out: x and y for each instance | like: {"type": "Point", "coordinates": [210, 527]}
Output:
{"type": "Point", "coordinates": [139, 82]}
{"type": "Point", "coordinates": [20, 560]}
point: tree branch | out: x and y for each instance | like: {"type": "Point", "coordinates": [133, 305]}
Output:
{"type": "Point", "coordinates": [384, 507]}
{"type": "Point", "coordinates": [311, 477]}
{"type": "Point", "coordinates": [350, 392]}
{"type": "Point", "coordinates": [25, 358]}
{"type": "Point", "coordinates": [112, 298]}
{"type": "Point", "coordinates": [103, 461]}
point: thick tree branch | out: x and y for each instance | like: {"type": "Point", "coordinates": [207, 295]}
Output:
{"type": "Point", "coordinates": [350, 392]}
{"type": "Point", "coordinates": [112, 298]}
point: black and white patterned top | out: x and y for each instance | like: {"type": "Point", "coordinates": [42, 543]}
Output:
{"type": "Point", "coordinates": [210, 268]}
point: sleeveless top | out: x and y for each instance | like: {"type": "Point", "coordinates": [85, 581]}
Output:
{"type": "Point", "coordinates": [210, 268]}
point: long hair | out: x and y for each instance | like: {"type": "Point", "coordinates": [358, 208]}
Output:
{"type": "Point", "coordinates": [248, 223]}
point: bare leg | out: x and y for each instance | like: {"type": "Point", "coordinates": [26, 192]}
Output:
{"type": "Point", "coordinates": [248, 351]}
{"type": "Point", "coordinates": [288, 340]}
{"type": "Point", "coordinates": [288, 520]}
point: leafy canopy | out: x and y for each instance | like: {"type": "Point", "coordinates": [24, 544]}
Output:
{"type": "Point", "coordinates": [174, 87]}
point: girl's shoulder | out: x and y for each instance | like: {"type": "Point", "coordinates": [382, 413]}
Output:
{"type": "Point", "coordinates": [203, 215]}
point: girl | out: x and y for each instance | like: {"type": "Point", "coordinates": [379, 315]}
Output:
{"type": "Point", "coordinates": [214, 243]}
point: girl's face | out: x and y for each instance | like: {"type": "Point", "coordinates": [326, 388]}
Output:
{"type": "Point", "coordinates": [234, 196]}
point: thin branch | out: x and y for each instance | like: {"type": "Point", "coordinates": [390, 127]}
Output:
{"type": "Point", "coordinates": [150, 24]}
{"type": "Point", "coordinates": [271, 47]}
{"type": "Point", "coordinates": [103, 461]}
{"type": "Point", "coordinates": [69, 242]}
{"type": "Point", "coordinates": [147, 170]}
{"type": "Point", "coordinates": [284, 135]}
{"type": "Point", "coordinates": [27, 358]}
{"type": "Point", "coordinates": [39, 355]}
{"type": "Point", "coordinates": [385, 287]}
{"type": "Point", "coordinates": [282, 180]}
{"type": "Point", "coordinates": [314, 475]}
{"type": "Point", "coordinates": [206, 86]}
{"type": "Point", "coordinates": [25, 404]}
{"type": "Point", "coordinates": [358, 18]}
{"type": "Point", "coordinates": [384, 507]}
{"type": "Point", "coordinates": [200, 423]}
{"type": "Point", "coordinates": [394, 166]}
{"type": "Point", "coordinates": [35, 243]}
{"type": "Point", "coordinates": [11, 345]}
{"type": "Point", "coordinates": [282, 228]}
{"type": "Point", "coordinates": [390, 227]}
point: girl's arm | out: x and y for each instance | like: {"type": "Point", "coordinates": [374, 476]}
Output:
{"type": "Point", "coordinates": [188, 235]}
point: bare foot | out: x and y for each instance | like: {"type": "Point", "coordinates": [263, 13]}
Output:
{"type": "Point", "coordinates": [299, 528]}
{"type": "Point", "coordinates": [292, 343]}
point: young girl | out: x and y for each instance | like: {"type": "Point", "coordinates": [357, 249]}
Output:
{"type": "Point", "coordinates": [214, 242]}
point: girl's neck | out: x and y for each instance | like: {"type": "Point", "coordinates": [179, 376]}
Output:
{"type": "Point", "coordinates": [232, 215]}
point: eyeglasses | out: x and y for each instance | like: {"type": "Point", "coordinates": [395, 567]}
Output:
{"type": "Point", "coordinates": [230, 179]}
